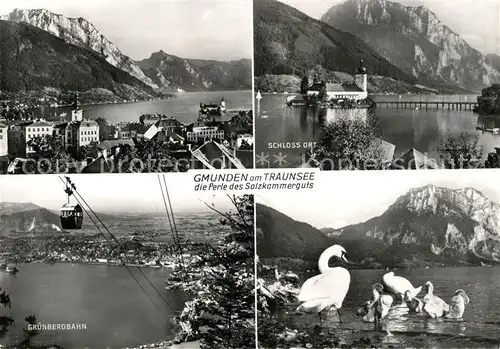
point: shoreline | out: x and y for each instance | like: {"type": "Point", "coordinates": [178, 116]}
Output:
{"type": "Point", "coordinates": [100, 263]}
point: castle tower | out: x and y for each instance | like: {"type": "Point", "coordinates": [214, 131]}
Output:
{"type": "Point", "coordinates": [361, 77]}
{"type": "Point", "coordinates": [76, 112]}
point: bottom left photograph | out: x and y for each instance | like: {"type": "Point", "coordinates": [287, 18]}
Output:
{"type": "Point", "coordinates": [124, 261]}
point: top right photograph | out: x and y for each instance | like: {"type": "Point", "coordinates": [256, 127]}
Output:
{"type": "Point", "coordinates": [376, 84]}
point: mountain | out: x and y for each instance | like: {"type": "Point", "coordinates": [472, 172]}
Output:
{"type": "Point", "coordinates": [286, 41]}
{"type": "Point", "coordinates": [414, 40]}
{"type": "Point", "coordinates": [196, 74]}
{"type": "Point", "coordinates": [79, 32]}
{"type": "Point", "coordinates": [455, 224]}
{"type": "Point", "coordinates": [493, 60]}
{"type": "Point", "coordinates": [34, 59]}
{"type": "Point", "coordinates": [27, 218]}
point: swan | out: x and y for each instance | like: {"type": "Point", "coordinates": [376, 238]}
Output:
{"type": "Point", "coordinates": [399, 285]}
{"type": "Point", "coordinates": [328, 289]}
{"type": "Point", "coordinates": [458, 303]}
{"type": "Point", "coordinates": [433, 305]}
{"type": "Point", "coordinates": [413, 303]}
{"type": "Point", "coordinates": [376, 309]}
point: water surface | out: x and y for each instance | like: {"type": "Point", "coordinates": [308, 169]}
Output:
{"type": "Point", "coordinates": [105, 298]}
{"type": "Point", "coordinates": [289, 131]}
{"type": "Point", "coordinates": [481, 321]}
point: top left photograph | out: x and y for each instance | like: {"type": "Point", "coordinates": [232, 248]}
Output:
{"type": "Point", "coordinates": [125, 86]}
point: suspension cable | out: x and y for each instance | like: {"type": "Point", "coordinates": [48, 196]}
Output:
{"type": "Point", "coordinates": [117, 241]}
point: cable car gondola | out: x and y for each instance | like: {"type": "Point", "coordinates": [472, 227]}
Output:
{"type": "Point", "coordinates": [71, 215]}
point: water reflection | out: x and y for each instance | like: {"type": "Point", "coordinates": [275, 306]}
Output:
{"type": "Point", "coordinates": [423, 130]}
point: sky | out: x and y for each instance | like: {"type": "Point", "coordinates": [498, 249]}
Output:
{"type": "Point", "coordinates": [349, 197]}
{"type": "Point", "coordinates": [477, 21]}
{"type": "Point", "coordinates": [112, 193]}
{"type": "Point", "coordinates": [204, 29]}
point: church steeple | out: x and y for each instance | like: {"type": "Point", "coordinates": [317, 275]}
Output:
{"type": "Point", "coordinates": [76, 102]}
{"type": "Point", "coordinates": [76, 112]}
{"type": "Point", "coordinates": [361, 68]}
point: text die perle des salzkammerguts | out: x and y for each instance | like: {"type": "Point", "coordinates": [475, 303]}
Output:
{"type": "Point", "coordinates": [255, 181]}
{"type": "Point", "coordinates": [291, 145]}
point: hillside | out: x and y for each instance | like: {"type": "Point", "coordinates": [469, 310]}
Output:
{"type": "Point", "coordinates": [27, 218]}
{"type": "Point", "coordinates": [416, 41]}
{"type": "Point", "coordinates": [286, 41]}
{"type": "Point", "coordinates": [197, 75]}
{"type": "Point", "coordinates": [79, 32]}
{"type": "Point", "coordinates": [33, 59]}
{"type": "Point", "coordinates": [494, 60]}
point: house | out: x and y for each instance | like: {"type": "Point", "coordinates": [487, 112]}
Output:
{"type": "Point", "coordinates": [245, 140]}
{"type": "Point", "coordinates": [343, 90]}
{"type": "Point", "coordinates": [171, 124]}
{"type": "Point", "coordinates": [387, 150]}
{"type": "Point", "coordinates": [205, 133]}
{"type": "Point", "coordinates": [38, 129]}
{"type": "Point", "coordinates": [17, 139]}
{"type": "Point", "coordinates": [214, 156]}
{"type": "Point", "coordinates": [151, 119]}
{"type": "Point", "coordinates": [82, 133]}
{"type": "Point", "coordinates": [79, 131]}
{"type": "Point", "coordinates": [60, 132]}
{"type": "Point", "coordinates": [100, 165]}
{"type": "Point", "coordinates": [108, 148]}
{"type": "Point", "coordinates": [4, 139]}
{"type": "Point", "coordinates": [415, 160]}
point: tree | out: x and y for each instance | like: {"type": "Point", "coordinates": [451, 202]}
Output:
{"type": "Point", "coordinates": [349, 142]}
{"type": "Point", "coordinates": [489, 101]}
{"type": "Point", "coordinates": [304, 85]}
{"type": "Point", "coordinates": [461, 152]}
{"type": "Point", "coordinates": [323, 94]}
{"type": "Point", "coordinates": [104, 129]}
{"type": "Point", "coordinates": [49, 156]}
{"type": "Point", "coordinates": [221, 284]}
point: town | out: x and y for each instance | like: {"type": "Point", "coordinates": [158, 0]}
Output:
{"type": "Point", "coordinates": [93, 249]}
{"type": "Point", "coordinates": [218, 139]}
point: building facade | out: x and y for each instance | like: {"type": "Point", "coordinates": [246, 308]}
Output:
{"type": "Point", "coordinates": [38, 129]}
{"type": "Point", "coordinates": [4, 139]}
{"type": "Point", "coordinates": [205, 133]}
{"type": "Point", "coordinates": [358, 89]}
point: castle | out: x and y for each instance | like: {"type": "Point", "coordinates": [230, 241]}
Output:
{"type": "Point", "coordinates": [347, 90]}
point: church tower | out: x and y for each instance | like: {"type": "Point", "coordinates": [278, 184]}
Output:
{"type": "Point", "coordinates": [76, 112]}
{"type": "Point", "coordinates": [361, 77]}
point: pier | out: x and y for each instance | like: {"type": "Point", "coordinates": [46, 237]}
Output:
{"type": "Point", "coordinates": [426, 105]}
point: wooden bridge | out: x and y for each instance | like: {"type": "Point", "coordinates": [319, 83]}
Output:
{"type": "Point", "coordinates": [426, 105]}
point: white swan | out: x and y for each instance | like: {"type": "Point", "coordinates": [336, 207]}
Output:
{"type": "Point", "coordinates": [433, 305]}
{"type": "Point", "coordinates": [458, 303]}
{"type": "Point", "coordinates": [328, 289]}
{"type": "Point", "coordinates": [399, 285]}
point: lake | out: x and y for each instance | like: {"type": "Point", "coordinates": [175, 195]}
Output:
{"type": "Point", "coordinates": [481, 321]}
{"type": "Point", "coordinates": [105, 298]}
{"type": "Point", "coordinates": [423, 130]}
{"type": "Point", "coordinates": [184, 107]}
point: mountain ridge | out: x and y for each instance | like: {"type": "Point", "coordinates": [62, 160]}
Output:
{"type": "Point", "coordinates": [198, 74]}
{"type": "Point", "coordinates": [187, 74]}
{"type": "Point", "coordinates": [80, 32]}
{"type": "Point", "coordinates": [307, 43]}
{"type": "Point", "coordinates": [33, 59]}
{"type": "Point", "coordinates": [415, 40]}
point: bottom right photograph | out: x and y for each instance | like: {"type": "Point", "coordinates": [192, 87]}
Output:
{"type": "Point", "coordinates": [385, 259]}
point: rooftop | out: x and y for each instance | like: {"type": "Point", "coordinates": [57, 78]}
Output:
{"type": "Point", "coordinates": [106, 145]}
